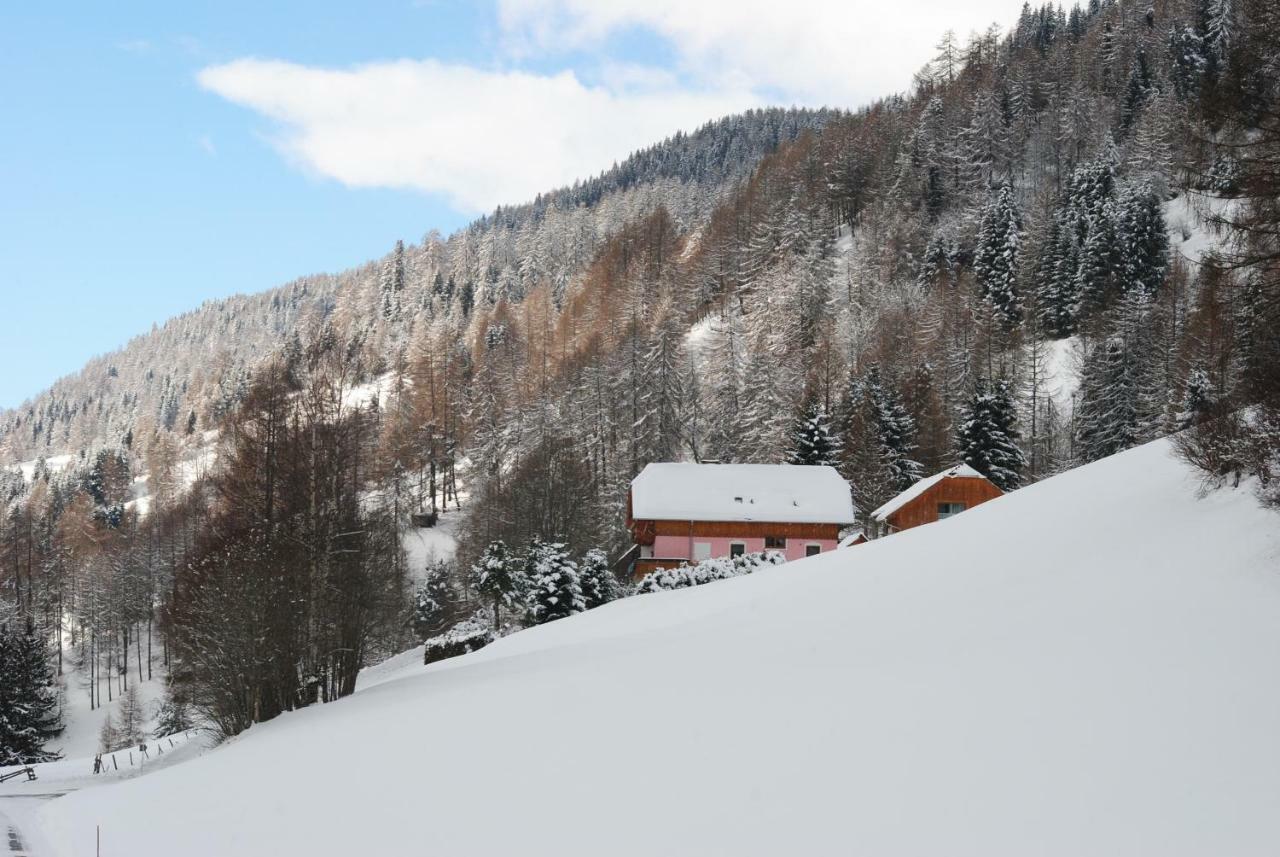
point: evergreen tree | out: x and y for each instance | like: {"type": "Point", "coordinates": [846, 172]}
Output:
{"type": "Point", "coordinates": [987, 438]}
{"type": "Point", "coordinates": [1107, 417]}
{"type": "Point", "coordinates": [811, 441]}
{"type": "Point", "coordinates": [996, 257]}
{"type": "Point", "coordinates": [895, 430]}
{"type": "Point", "coordinates": [29, 716]}
{"type": "Point", "coordinates": [175, 714]}
{"type": "Point", "coordinates": [434, 602]}
{"type": "Point", "coordinates": [1136, 91]}
{"type": "Point", "coordinates": [1054, 280]}
{"type": "Point", "coordinates": [497, 576]}
{"type": "Point", "coordinates": [555, 590]}
{"type": "Point", "coordinates": [1144, 242]}
{"type": "Point", "coordinates": [1198, 399]}
{"type": "Point", "coordinates": [599, 585]}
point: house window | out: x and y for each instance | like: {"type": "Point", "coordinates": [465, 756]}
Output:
{"type": "Point", "coordinates": [777, 543]}
{"type": "Point", "coordinates": [737, 549]}
{"type": "Point", "coordinates": [812, 550]}
{"type": "Point", "coordinates": [946, 510]}
{"type": "Point", "coordinates": [702, 550]}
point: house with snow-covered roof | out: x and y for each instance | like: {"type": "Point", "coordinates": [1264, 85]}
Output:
{"type": "Point", "coordinates": [936, 497]}
{"type": "Point", "coordinates": [680, 512]}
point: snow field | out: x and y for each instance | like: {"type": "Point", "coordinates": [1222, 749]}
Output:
{"type": "Point", "coordinates": [1085, 666]}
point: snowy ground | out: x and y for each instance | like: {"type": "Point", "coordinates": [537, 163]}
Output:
{"type": "Point", "coordinates": [1189, 236]}
{"type": "Point", "coordinates": [83, 724]}
{"type": "Point", "coordinates": [1085, 666]}
{"type": "Point", "coordinates": [423, 546]}
{"type": "Point", "coordinates": [55, 463]}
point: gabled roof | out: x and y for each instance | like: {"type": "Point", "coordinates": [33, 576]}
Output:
{"type": "Point", "coordinates": [853, 538]}
{"type": "Point", "coordinates": [961, 470]}
{"type": "Point", "coordinates": [772, 493]}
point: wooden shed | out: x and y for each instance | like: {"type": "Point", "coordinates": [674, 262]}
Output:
{"type": "Point", "coordinates": [939, 496]}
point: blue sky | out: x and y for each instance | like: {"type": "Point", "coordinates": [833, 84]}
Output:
{"type": "Point", "coordinates": [155, 155]}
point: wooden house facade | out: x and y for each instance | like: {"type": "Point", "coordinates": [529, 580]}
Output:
{"type": "Point", "coordinates": [680, 513]}
{"type": "Point", "coordinates": [939, 496]}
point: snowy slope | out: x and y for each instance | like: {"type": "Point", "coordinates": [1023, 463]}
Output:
{"type": "Point", "coordinates": [1086, 666]}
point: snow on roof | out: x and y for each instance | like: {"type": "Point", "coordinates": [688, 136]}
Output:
{"type": "Point", "coordinates": [922, 486]}
{"type": "Point", "coordinates": [852, 538]}
{"type": "Point", "coordinates": [773, 493]}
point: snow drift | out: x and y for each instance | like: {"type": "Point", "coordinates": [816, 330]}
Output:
{"type": "Point", "coordinates": [1086, 666]}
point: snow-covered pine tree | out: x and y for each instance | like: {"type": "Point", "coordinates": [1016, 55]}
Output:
{"type": "Point", "coordinates": [988, 437]}
{"type": "Point", "coordinates": [599, 585]}
{"type": "Point", "coordinates": [434, 602]}
{"type": "Point", "coordinates": [1143, 240]}
{"type": "Point", "coordinates": [555, 590]}
{"type": "Point", "coordinates": [1198, 399]}
{"type": "Point", "coordinates": [1107, 416]}
{"type": "Point", "coordinates": [873, 457]}
{"type": "Point", "coordinates": [29, 715]}
{"type": "Point", "coordinates": [1057, 295]}
{"type": "Point", "coordinates": [895, 429]}
{"type": "Point", "coordinates": [811, 441]}
{"type": "Point", "coordinates": [175, 713]}
{"type": "Point", "coordinates": [497, 576]}
{"type": "Point", "coordinates": [996, 257]}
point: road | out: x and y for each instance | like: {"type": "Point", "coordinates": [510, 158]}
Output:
{"type": "Point", "coordinates": [17, 838]}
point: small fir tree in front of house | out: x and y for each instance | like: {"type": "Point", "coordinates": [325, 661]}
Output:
{"type": "Point", "coordinates": [599, 585]}
{"type": "Point", "coordinates": [497, 578]}
{"type": "Point", "coordinates": [555, 590]}
{"type": "Point", "coordinates": [811, 441]}
{"type": "Point", "coordinates": [988, 435]}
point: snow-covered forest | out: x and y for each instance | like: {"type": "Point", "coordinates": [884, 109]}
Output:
{"type": "Point", "coordinates": [1060, 244]}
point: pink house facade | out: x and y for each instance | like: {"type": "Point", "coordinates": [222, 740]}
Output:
{"type": "Point", "coordinates": [683, 512]}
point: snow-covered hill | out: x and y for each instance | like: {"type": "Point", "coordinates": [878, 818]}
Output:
{"type": "Point", "coordinates": [1087, 666]}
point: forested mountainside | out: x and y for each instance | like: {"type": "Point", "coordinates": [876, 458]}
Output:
{"type": "Point", "coordinates": [890, 290]}
{"type": "Point", "coordinates": [190, 371]}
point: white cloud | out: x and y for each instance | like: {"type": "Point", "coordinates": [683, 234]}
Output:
{"type": "Point", "coordinates": [483, 138]}
{"type": "Point", "coordinates": [486, 137]}
{"type": "Point", "coordinates": [840, 53]}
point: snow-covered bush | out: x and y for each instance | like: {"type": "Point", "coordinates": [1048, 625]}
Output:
{"type": "Point", "coordinates": [470, 635]}
{"type": "Point", "coordinates": [707, 571]}
{"type": "Point", "coordinates": [599, 585]}
{"type": "Point", "coordinates": [555, 590]}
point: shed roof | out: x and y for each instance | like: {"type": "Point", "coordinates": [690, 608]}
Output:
{"type": "Point", "coordinates": [772, 493]}
{"type": "Point", "coordinates": [853, 538]}
{"type": "Point", "coordinates": [960, 470]}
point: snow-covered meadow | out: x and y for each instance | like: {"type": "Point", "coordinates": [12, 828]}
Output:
{"type": "Point", "coordinates": [1086, 666]}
